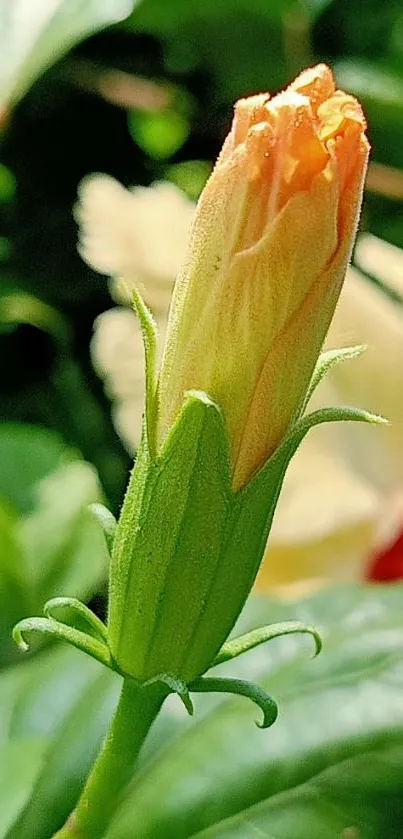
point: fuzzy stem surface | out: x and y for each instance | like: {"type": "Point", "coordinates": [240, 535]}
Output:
{"type": "Point", "coordinates": [137, 709]}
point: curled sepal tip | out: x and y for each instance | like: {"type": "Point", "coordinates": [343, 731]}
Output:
{"type": "Point", "coordinates": [107, 521]}
{"type": "Point", "coordinates": [174, 685]}
{"type": "Point", "coordinates": [238, 646]}
{"type": "Point", "coordinates": [80, 610]}
{"type": "Point", "coordinates": [242, 688]}
{"type": "Point", "coordinates": [86, 643]}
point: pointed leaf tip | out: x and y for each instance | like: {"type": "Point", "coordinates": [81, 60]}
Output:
{"type": "Point", "coordinates": [327, 360]}
{"type": "Point", "coordinates": [107, 521]}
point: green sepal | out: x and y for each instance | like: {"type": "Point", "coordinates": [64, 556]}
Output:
{"type": "Point", "coordinates": [62, 632]}
{"type": "Point", "coordinates": [174, 685]}
{"type": "Point", "coordinates": [167, 547]}
{"type": "Point", "coordinates": [247, 529]}
{"type": "Point", "coordinates": [149, 334]}
{"type": "Point", "coordinates": [208, 684]}
{"type": "Point", "coordinates": [107, 521]}
{"type": "Point", "coordinates": [81, 610]}
{"type": "Point", "coordinates": [327, 360]}
{"type": "Point", "coordinates": [237, 646]}
{"type": "Point", "coordinates": [187, 548]}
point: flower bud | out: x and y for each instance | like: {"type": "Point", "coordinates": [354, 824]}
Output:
{"type": "Point", "coordinates": [267, 257]}
{"type": "Point", "coordinates": [268, 252]}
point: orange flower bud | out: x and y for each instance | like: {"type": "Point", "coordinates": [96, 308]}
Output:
{"type": "Point", "coordinates": [267, 257]}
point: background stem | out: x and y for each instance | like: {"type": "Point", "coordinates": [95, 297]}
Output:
{"type": "Point", "coordinates": [136, 711]}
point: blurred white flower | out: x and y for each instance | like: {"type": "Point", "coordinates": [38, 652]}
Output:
{"type": "Point", "coordinates": [342, 501]}
{"type": "Point", "coordinates": [136, 236]}
{"type": "Point", "coordinates": [357, 494]}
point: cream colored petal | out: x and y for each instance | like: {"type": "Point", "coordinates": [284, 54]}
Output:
{"type": "Point", "coordinates": [117, 353]}
{"type": "Point", "coordinates": [373, 381]}
{"type": "Point", "coordinates": [325, 523]}
{"type": "Point", "coordinates": [138, 235]}
{"type": "Point", "coordinates": [390, 524]}
{"type": "Point", "coordinates": [380, 259]}
{"type": "Point", "coordinates": [127, 416]}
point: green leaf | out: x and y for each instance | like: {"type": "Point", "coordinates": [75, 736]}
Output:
{"type": "Point", "coordinates": [66, 700]}
{"type": "Point", "coordinates": [18, 307]}
{"type": "Point", "coordinates": [380, 89]}
{"type": "Point", "coordinates": [190, 176]}
{"type": "Point", "coordinates": [7, 184]}
{"type": "Point", "coordinates": [161, 133]}
{"type": "Point", "coordinates": [165, 17]}
{"type": "Point", "coordinates": [334, 757]}
{"type": "Point", "coordinates": [226, 40]}
{"type": "Point", "coordinates": [34, 34]}
{"type": "Point", "coordinates": [50, 544]}
{"type": "Point", "coordinates": [20, 764]}
{"type": "Point", "coordinates": [14, 594]}
{"type": "Point", "coordinates": [27, 454]}
{"type": "Point", "coordinates": [345, 801]}
{"type": "Point", "coordinates": [66, 551]}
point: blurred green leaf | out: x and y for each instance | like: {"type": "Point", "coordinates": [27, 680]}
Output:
{"type": "Point", "coordinates": [5, 251]}
{"type": "Point", "coordinates": [50, 544]}
{"type": "Point", "coordinates": [380, 90]}
{"type": "Point", "coordinates": [7, 184]}
{"type": "Point", "coordinates": [14, 596]}
{"type": "Point", "coordinates": [159, 133]}
{"type": "Point", "coordinates": [19, 307]}
{"type": "Point", "coordinates": [10, 562]}
{"type": "Point", "coordinates": [165, 16]}
{"type": "Point", "coordinates": [239, 44]}
{"type": "Point", "coordinates": [27, 454]}
{"type": "Point", "coordinates": [333, 760]}
{"type": "Point", "coordinates": [20, 764]}
{"type": "Point", "coordinates": [64, 700]}
{"type": "Point", "coordinates": [34, 34]}
{"type": "Point", "coordinates": [315, 7]}
{"type": "Point", "coordinates": [190, 176]}
{"type": "Point", "coordinates": [65, 547]}
{"type": "Point", "coordinates": [338, 714]}
{"type": "Point", "coordinates": [358, 798]}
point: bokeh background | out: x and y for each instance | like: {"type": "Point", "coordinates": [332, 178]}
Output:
{"type": "Point", "coordinates": [143, 92]}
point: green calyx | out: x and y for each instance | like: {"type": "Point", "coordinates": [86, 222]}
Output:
{"type": "Point", "coordinates": [96, 645]}
{"type": "Point", "coordinates": [186, 549]}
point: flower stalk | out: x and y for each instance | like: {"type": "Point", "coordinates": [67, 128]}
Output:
{"type": "Point", "coordinates": [137, 709]}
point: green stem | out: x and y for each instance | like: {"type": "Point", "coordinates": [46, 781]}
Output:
{"type": "Point", "coordinates": [113, 769]}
